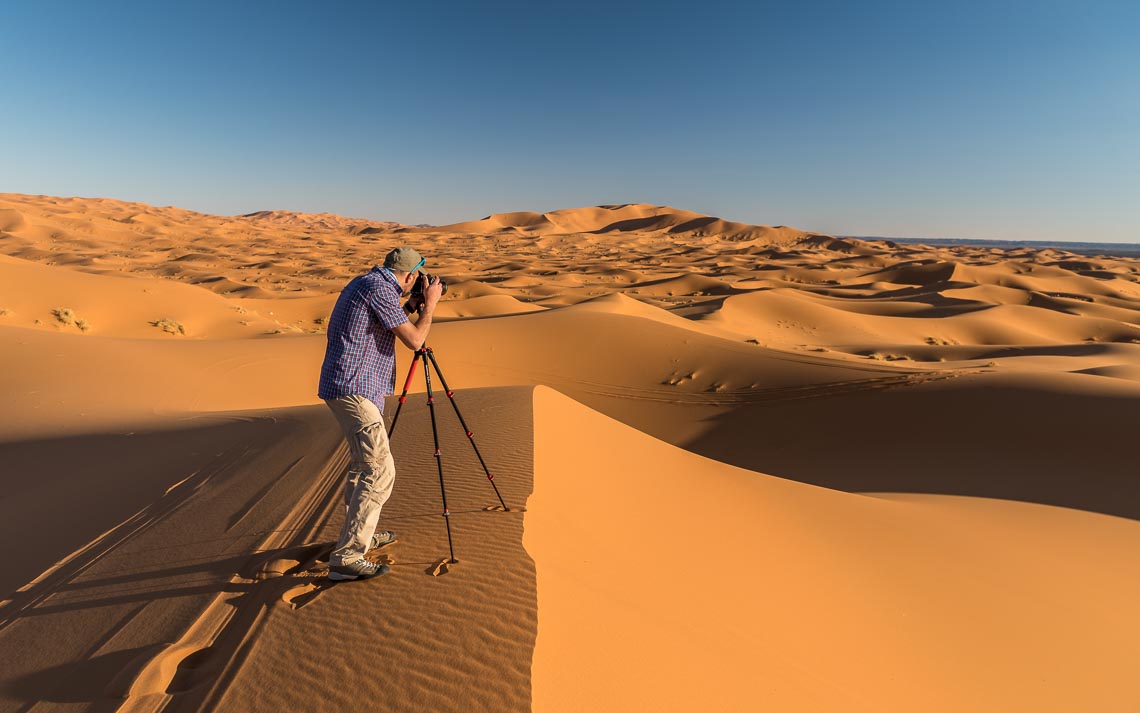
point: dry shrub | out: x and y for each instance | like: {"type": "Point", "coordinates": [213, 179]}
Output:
{"type": "Point", "coordinates": [169, 326]}
{"type": "Point", "coordinates": [65, 315]}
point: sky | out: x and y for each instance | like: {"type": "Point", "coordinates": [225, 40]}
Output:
{"type": "Point", "coordinates": [1005, 120]}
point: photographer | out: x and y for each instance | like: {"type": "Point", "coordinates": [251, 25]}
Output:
{"type": "Point", "coordinates": [359, 370]}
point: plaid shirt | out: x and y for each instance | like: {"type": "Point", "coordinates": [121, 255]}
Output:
{"type": "Point", "coordinates": [360, 358]}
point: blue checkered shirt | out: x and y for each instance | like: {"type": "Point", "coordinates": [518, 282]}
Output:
{"type": "Point", "coordinates": [360, 358]}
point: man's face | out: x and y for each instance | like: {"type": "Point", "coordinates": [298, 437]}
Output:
{"type": "Point", "coordinates": [409, 281]}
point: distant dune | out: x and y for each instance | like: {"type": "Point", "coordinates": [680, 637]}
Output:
{"type": "Point", "coordinates": [748, 468]}
{"type": "Point", "coordinates": [321, 221]}
{"type": "Point", "coordinates": [634, 217]}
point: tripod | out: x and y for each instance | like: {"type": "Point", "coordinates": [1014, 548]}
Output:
{"type": "Point", "coordinates": [425, 352]}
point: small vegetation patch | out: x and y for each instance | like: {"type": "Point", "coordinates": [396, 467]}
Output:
{"type": "Point", "coordinates": [880, 356]}
{"type": "Point", "coordinates": [169, 326]}
{"type": "Point", "coordinates": [67, 317]}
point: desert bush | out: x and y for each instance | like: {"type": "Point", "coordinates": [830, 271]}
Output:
{"type": "Point", "coordinates": [64, 315]}
{"type": "Point", "coordinates": [67, 317]}
{"type": "Point", "coordinates": [169, 326]}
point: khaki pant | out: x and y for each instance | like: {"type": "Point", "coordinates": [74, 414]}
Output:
{"type": "Point", "coordinates": [369, 478]}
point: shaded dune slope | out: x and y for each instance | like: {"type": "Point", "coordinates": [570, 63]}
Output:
{"type": "Point", "coordinates": [212, 596]}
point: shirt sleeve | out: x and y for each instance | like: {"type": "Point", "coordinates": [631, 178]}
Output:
{"type": "Point", "coordinates": [386, 308]}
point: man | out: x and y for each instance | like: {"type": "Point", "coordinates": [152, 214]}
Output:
{"type": "Point", "coordinates": [358, 372]}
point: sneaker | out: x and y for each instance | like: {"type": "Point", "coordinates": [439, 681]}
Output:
{"type": "Point", "coordinates": [360, 569]}
{"type": "Point", "coordinates": [381, 538]}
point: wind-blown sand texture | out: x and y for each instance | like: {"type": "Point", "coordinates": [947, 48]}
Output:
{"type": "Point", "coordinates": [748, 468]}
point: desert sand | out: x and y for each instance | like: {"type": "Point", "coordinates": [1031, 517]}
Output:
{"type": "Point", "coordinates": [747, 468]}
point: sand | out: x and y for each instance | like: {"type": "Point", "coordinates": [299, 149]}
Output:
{"type": "Point", "coordinates": [748, 468]}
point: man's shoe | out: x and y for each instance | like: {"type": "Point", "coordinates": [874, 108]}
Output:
{"type": "Point", "coordinates": [381, 538]}
{"type": "Point", "coordinates": [360, 569]}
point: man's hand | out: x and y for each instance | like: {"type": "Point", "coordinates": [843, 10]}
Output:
{"type": "Point", "coordinates": [432, 294]}
{"type": "Point", "coordinates": [414, 335]}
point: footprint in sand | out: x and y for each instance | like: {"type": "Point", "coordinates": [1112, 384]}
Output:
{"type": "Point", "coordinates": [303, 594]}
{"type": "Point", "coordinates": [440, 567]}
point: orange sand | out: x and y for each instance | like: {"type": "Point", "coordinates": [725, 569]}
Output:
{"type": "Point", "coordinates": [762, 469]}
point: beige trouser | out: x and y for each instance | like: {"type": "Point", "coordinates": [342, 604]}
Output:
{"type": "Point", "coordinates": [369, 478]}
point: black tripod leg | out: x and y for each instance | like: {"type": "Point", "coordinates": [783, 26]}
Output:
{"type": "Point", "coordinates": [438, 458]}
{"type": "Point", "coordinates": [430, 355]}
{"type": "Point", "coordinates": [404, 395]}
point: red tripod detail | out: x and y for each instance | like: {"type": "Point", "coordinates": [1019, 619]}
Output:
{"type": "Point", "coordinates": [425, 352]}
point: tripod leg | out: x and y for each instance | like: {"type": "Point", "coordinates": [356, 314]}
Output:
{"type": "Point", "coordinates": [404, 395]}
{"type": "Point", "coordinates": [430, 355]}
{"type": "Point", "coordinates": [438, 458]}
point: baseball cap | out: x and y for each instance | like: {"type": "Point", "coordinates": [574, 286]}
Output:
{"type": "Point", "coordinates": [404, 259]}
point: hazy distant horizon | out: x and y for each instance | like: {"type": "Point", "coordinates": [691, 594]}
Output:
{"type": "Point", "coordinates": [1123, 244]}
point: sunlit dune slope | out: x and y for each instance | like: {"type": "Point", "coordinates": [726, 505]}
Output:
{"type": "Point", "coordinates": [670, 582]}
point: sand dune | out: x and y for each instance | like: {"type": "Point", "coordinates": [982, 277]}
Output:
{"type": "Point", "coordinates": [770, 468]}
{"type": "Point", "coordinates": [693, 585]}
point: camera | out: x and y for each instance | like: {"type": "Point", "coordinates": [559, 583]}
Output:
{"type": "Point", "coordinates": [416, 300]}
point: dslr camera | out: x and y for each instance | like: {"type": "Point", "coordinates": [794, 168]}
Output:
{"type": "Point", "coordinates": [415, 301]}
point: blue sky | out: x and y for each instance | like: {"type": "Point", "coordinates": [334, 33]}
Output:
{"type": "Point", "coordinates": [1013, 120]}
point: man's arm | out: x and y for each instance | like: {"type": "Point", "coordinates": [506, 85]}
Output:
{"type": "Point", "coordinates": [414, 335]}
